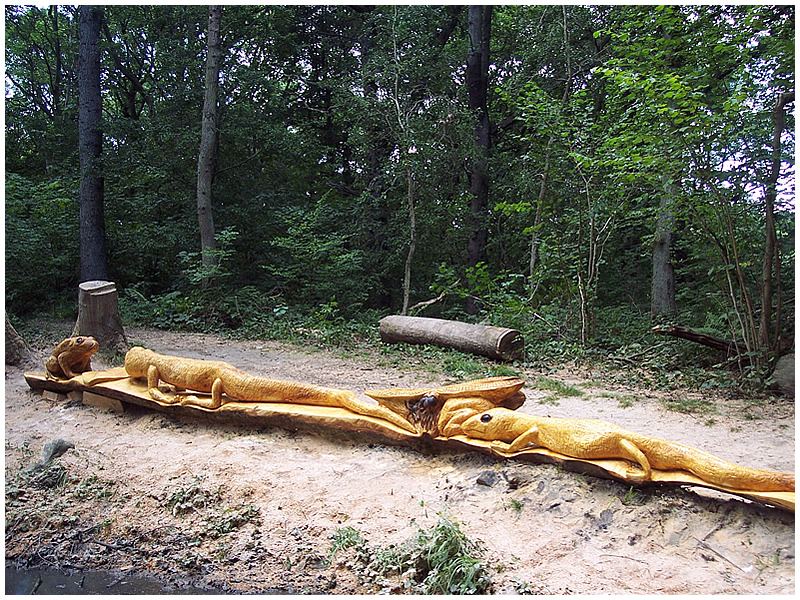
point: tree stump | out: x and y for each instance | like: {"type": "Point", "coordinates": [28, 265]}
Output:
{"type": "Point", "coordinates": [98, 315]}
{"type": "Point", "coordinates": [17, 351]}
{"type": "Point", "coordinates": [485, 340]}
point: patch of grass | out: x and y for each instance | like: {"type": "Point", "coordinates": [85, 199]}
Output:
{"type": "Point", "coordinates": [550, 399]}
{"type": "Point", "coordinates": [632, 497]}
{"type": "Point", "coordinates": [515, 505]}
{"type": "Point", "coordinates": [466, 366]}
{"type": "Point", "coordinates": [225, 520]}
{"type": "Point", "coordinates": [623, 400]}
{"type": "Point", "coordinates": [690, 406]}
{"type": "Point", "coordinates": [189, 499]}
{"type": "Point", "coordinates": [343, 538]}
{"type": "Point", "coordinates": [439, 560]}
{"type": "Point", "coordinates": [558, 387]}
{"type": "Point", "coordinates": [93, 488]}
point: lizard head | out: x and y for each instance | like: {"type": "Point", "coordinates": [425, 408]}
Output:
{"type": "Point", "coordinates": [137, 361]}
{"type": "Point", "coordinates": [492, 424]}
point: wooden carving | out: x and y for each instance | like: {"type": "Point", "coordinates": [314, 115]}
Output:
{"type": "Point", "coordinates": [511, 432]}
{"type": "Point", "coordinates": [71, 357]}
{"type": "Point", "coordinates": [218, 378]}
{"type": "Point", "coordinates": [478, 415]}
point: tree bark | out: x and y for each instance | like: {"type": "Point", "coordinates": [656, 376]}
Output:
{"type": "Point", "coordinates": [495, 342]}
{"type": "Point", "coordinates": [17, 351]}
{"type": "Point", "coordinates": [208, 140]}
{"type": "Point", "coordinates": [90, 144]}
{"type": "Point", "coordinates": [477, 76]}
{"type": "Point", "coordinates": [771, 256]}
{"type": "Point", "coordinates": [662, 287]}
{"type": "Point", "coordinates": [98, 315]}
{"type": "Point", "coordinates": [412, 242]}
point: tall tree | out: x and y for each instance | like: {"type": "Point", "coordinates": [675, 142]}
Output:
{"type": "Point", "coordinates": [662, 288]}
{"type": "Point", "coordinates": [90, 141]}
{"type": "Point", "coordinates": [480, 27]}
{"type": "Point", "coordinates": [208, 140]}
{"type": "Point", "coordinates": [772, 259]}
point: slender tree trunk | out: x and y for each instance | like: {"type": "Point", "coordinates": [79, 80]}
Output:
{"type": "Point", "coordinates": [771, 257]}
{"type": "Point", "coordinates": [662, 288]}
{"type": "Point", "coordinates": [208, 140]}
{"type": "Point", "coordinates": [413, 242]}
{"type": "Point", "coordinates": [90, 143]}
{"type": "Point", "coordinates": [480, 25]}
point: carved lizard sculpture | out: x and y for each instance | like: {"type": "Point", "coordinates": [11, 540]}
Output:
{"type": "Point", "coordinates": [510, 431]}
{"type": "Point", "coordinates": [71, 357]}
{"type": "Point", "coordinates": [439, 411]}
{"type": "Point", "coordinates": [218, 378]}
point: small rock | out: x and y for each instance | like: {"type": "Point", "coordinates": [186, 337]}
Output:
{"type": "Point", "coordinates": [783, 375]}
{"type": "Point", "coordinates": [606, 516]}
{"type": "Point", "coordinates": [487, 478]}
{"type": "Point", "coordinates": [54, 449]}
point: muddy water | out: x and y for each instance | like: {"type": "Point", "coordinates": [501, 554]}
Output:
{"type": "Point", "coordinates": [49, 582]}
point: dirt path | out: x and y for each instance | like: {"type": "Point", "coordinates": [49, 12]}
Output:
{"type": "Point", "coordinates": [253, 511]}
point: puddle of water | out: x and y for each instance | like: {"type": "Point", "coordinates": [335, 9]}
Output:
{"type": "Point", "coordinates": [41, 582]}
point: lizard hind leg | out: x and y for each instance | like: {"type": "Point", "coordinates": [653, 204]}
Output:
{"type": "Point", "coordinates": [352, 402]}
{"type": "Point", "coordinates": [631, 452]}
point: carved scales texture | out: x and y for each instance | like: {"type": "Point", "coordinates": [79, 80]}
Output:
{"type": "Point", "coordinates": [596, 439]}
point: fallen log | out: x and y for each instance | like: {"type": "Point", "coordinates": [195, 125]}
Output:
{"type": "Point", "coordinates": [711, 341]}
{"type": "Point", "coordinates": [485, 340]}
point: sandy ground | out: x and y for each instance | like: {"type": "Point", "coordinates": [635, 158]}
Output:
{"type": "Point", "coordinates": [242, 510]}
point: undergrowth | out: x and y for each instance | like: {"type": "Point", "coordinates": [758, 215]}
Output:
{"type": "Point", "coordinates": [437, 560]}
{"type": "Point", "coordinates": [623, 350]}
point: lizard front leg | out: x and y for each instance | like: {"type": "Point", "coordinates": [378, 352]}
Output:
{"type": "Point", "coordinates": [153, 378]}
{"type": "Point", "coordinates": [531, 436]}
{"type": "Point", "coordinates": [216, 400]}
{"type": "Point", "coordinates": [631, 451]}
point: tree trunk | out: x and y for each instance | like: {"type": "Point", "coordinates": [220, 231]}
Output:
{"type": "Point", "coordinates": [98, 315]}
{"type": "Point", "coordinates": [90, 144]}
{"type": "Point", "coordinates": [208, 141]}
{"type": "Point", "coordinates": [480, 24]}
{"type": "Point", "coordinates": [771, 256]}
{"type": "Point", "coordinates": [413, 241]}
{"type": "Point", "coordinates": [494, 342]}
{"type": "Point", "coordinates": [662, 289]}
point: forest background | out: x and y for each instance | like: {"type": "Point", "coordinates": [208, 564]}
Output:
{"type": "Point", "coordinates": [579, 173]}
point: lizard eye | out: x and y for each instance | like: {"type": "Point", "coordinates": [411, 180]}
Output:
{"type": "Point", "coordinates": [486, 417]}
{"type": "Point", "coordinates": [79, 341]}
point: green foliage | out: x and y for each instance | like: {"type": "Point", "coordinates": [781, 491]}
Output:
{"type": "Point", "coordinates": [41, 242]}
{"type": "Point", "coordinates": [600, 116]}
{"type": "Point", "coordinates": [213, 274]}
{"type": "Point", "coordinates": [558, 387]}
{"type": "Point", "coordinates": [439, 560]}
{"type": "Point", "coordinates": [343, 538]}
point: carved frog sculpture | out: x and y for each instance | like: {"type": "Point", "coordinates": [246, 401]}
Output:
{"type": "Point", "coordinates": [71, 357]}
